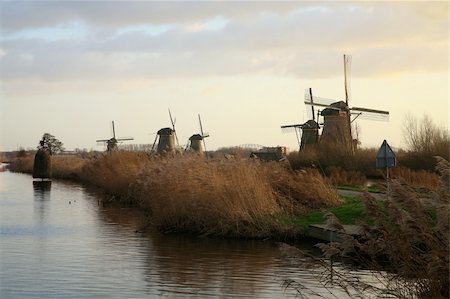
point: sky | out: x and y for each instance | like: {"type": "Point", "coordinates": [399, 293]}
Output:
{"type": "Point", "coordinates": [69, 68]}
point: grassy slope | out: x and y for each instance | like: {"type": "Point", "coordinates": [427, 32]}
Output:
{"type": "Point", "coordinates": [349, 212]}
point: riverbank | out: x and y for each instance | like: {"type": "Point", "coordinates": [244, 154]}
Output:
{"type": "Point", "coordinates": [217, 197]}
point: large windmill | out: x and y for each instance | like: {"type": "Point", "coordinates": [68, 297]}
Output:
{"type": "Point", "coordinates": [196, 140]}
{"type": "Point", "coordinates": [307, 133]}
{"type": "Point", "coordinates": [111, 144]}
{"type": "Point", "coordinates": [338, 116]}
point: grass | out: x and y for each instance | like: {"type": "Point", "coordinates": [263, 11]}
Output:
{"type": "Point", "coordinates": [349, 212]}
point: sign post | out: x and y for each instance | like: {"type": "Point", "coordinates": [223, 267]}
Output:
{"type": "Point", "coordinates": [386, 159]}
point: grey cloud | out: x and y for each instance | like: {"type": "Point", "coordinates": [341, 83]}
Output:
{"type": "Point", "coordinates": [304, 44]}
{"type": "Point", "coordinates": [17, 15]}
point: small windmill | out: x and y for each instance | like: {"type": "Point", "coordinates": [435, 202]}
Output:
{"type": "Point", "coordinates": [195, 141]}
{"type": "Point", "coordinates": [166, 138]}
{"type": "Point", "coordinates": [309, 131]}
{"type": "Point", "coordinates": [338, 115]}
{"type": "Point", "coordinates": [111, 144]}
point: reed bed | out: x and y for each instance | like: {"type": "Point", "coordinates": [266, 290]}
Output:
{"type": "Point", "coordinates": [409, 239]}
{"type": "Point", "coordinates": [237, 197]}
{"type": "Point", "coordinates": [213, 197]}
{"type": "Point", "coordinates": [419, 179]}
{"type": "Point", "coordinates": [227, 197]}
{"type": "Point", "coordinates": [115, 172]}
{"type": "Point", "coordinates": [22, 164]}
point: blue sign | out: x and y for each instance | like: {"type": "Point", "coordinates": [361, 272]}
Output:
{"type": "Point", "coordinates": [386, 156]}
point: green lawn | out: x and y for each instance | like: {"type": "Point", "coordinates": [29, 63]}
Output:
{"type": "Point", "coordinates": [348, 213]}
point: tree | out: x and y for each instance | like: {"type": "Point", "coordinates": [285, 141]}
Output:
{"type": "Point", "coordinates": [424, 137]}
{"type": "Point", "coordinates": [50, 144]}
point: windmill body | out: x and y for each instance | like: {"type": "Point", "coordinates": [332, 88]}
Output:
{"type": "Point", "coordinates": [336, 125]}
{"type": "Point", "coordinates": [197, 141]}
{"type": "Point", "coordinates": [111, 144]}
{"type": "Point", "coordinates": [196, 144]}
{"type": "Point", "coordinates": [166, 142]}
{"type": "Point", "coordinates": [309, 131]}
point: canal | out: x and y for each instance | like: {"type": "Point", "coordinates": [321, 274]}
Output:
{"type": "Point", "coordinates": [59, 241]}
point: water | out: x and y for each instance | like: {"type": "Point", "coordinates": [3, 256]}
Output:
{"type": "Point", "coordinates": [57, 241]}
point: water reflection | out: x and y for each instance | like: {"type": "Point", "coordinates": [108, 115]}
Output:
{"type": "Point", "coordinates": [41, 190]}
{"type": "Point", "coordinates": [211, 267]}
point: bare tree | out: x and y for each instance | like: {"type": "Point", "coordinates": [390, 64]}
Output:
{"type": "Point", "coordinates": [51, 144]}
{"type": "Point", "coordinates": [423, 136]}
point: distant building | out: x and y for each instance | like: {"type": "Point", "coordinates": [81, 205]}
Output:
{"type": "Point", "coordinates": [277, 153]}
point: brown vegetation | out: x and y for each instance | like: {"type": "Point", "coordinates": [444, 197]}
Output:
{"type": "Point", "coordinates": [337, 164]}
{"type": "Point", "coordinates": [409, 239]}
{"type": "Point", "coordinates": [424, 140]}
{"type": "Point", "coordinates": [226, 197]}
{"type": "Point", "coordinates": [418, 179]}
{"type": "Point", "coordinates": [238, 197]}
{"type": "Point", "coordinates": [114, 172]}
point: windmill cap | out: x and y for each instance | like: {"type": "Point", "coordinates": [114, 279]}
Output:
{"type": "Point", "coordinates": [196, 137]}
{"type": "Point", "coordinates": [165, 131]}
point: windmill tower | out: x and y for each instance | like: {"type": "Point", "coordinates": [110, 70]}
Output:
{"type": "Point", "coordinates": [167, 137]}
{"type": "Point", "coordinates": [338, 116]}
{"type": "Point", "coordinates": [307, 133]}
{"type": "Point", "coordinates": [197, 141]}
{"type": "Point", "coordinates": [111, 144]}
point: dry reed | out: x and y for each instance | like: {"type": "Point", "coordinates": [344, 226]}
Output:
{"type": "Point", "coordinates": [421, 179]}
{"type": "Point", "coordinates": [238, 197]}
{"type": "Point", "coordinates": [409, 239]}
{"type": "Point", "coordinates": [114, 172]}
{"type": "Point", "coordinates": [207, 196]}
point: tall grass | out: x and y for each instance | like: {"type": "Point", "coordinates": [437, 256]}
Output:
{"type": "Point", "coordinates": [237, 197]}
{"type": "Point", "coordinates": [418, 179]}
{"type": "Point", "coordinates": [115, 172]}
{"type": "Point", "coordinates": [338, 164]}
{"type": "Point", "coordinates": [227, 197]}
{"type": "Point", "coordinates": [410, 236]}
{"type": "Point", "coordinates": [207, 197]}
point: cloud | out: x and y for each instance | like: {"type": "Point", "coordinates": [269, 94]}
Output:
{"type": "Point", "coordinates": [16, 15]}
{"type": "Point", "coordinates": [284, 39]}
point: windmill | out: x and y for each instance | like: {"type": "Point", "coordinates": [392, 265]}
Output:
{"type": "Point", "coordinates": [195, 141]}
{"type": "Point", "coordinates": [309, 131]}
{"type": "Point", "coordinates": [166, 136]}
{"type": "Point", "coordinates": [111, 144]}
{"type": "Point", "coordinates": [338, 115]}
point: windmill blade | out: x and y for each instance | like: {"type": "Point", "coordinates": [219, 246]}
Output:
{"type": "Point", "coordinates": [154, 142]}
{"type": "Point", "coordinates": [291, 128]}
{"type": "Point", "coordinates": [371, 114]}
{"type": "Point", "coordinates": [200, 123]}
{"type": "Point", "coordinates": [359, 109]}
{"type": "Point", "coordinates": [312, 103]}
{"type": "Point", "coordinates": [347, 63]}
{"type": "Point", "coordinates": [173, 127]}
{"type": "Point", "coordinates": [171, 120]}
{"type": "Point", "coordinates": [318, 101]}
{"type": "Point", "coordinates": [124, 138]}
{"type": "Point", "coordinates": [114, 130]}
{"type": "Point", "coordinates": [201, 131]}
